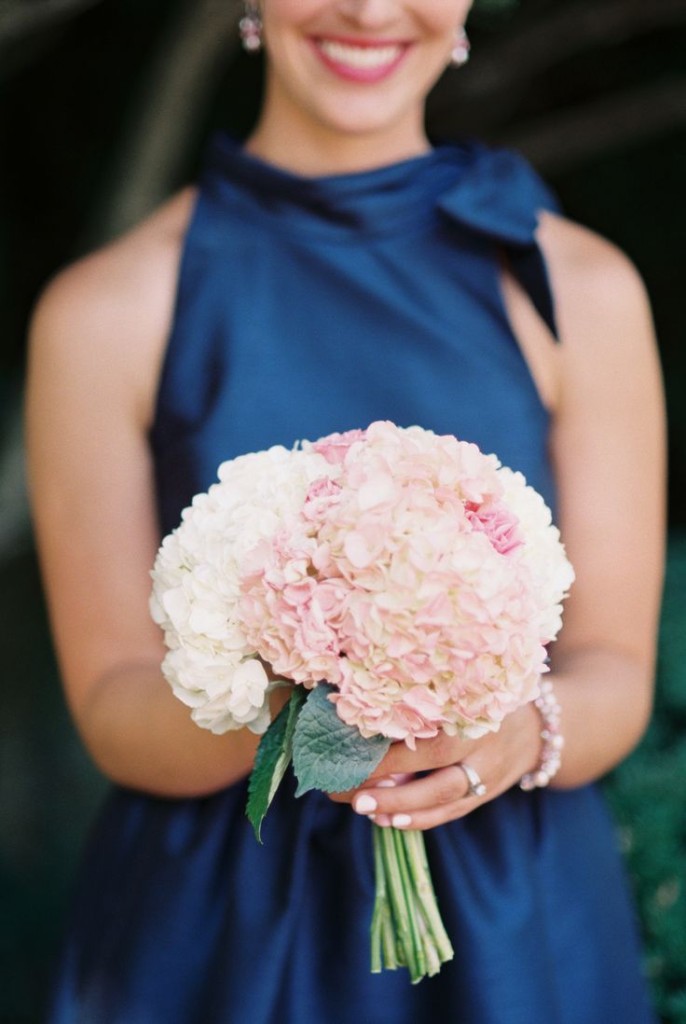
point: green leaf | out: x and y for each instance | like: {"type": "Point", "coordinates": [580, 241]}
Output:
{"type": "Point", "coordinates": [328, 754]}
{"type": "Point", "coordinates": [272, 759]}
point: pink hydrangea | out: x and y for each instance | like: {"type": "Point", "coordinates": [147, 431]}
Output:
{"type": "Point", "coordinates": [335, 447]}
{"type": "Point", "coordinates": [411, 582]}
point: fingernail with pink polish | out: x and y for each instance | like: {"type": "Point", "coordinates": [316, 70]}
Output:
{"type": "Point", "coordinates": [401, 820]}
{"type": "Point", "coordinates": [364, 804]}
{"type": "Point", "coordinates": [388, 783]}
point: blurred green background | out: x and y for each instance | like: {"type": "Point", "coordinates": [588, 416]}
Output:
{"type": "Point", "coordinates": [104, 110]}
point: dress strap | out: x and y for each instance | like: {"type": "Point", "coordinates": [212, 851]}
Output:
{"type": "Point", "coordinates": [500, 196]}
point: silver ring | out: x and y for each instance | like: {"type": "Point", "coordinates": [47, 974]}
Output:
{"type": "Point", "coordinates": [474, 784]}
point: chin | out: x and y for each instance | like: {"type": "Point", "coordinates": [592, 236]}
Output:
{"type": "Point", "coordinates": [360, 128]}
{"type": "Point", "coordinates": [362, 121]}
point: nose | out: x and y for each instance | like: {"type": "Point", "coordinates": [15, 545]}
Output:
{"type": "Point", "coordinates": [369, 14]}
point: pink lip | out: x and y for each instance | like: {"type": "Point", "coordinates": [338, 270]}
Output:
{"type": "Point", "coordinates": [364, 75]}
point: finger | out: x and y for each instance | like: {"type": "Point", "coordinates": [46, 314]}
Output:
{"type": "Point", "coordinates": [438, 752]}
{"type": "Point", "coordinates": [441, 788]}
{"type": "Point", "coordinates": [381, 782]}
{"type": "Point", "coordinates": [343, 797]}
{"type": "Point", "coordinates": [380, 819]}
{"type": "Point", "coordinates": [431, 817]}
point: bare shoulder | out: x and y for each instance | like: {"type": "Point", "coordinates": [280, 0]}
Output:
{"type": "Point", "coordinates": [111, 310]}
{"type": "Point", "coordinates": [135, 268]}
{"type": "Point", "coordinates": [608, 353]}
{"type": "Point", "coordinates": [600, 296]}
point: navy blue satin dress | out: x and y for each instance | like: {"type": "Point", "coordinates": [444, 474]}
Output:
{"type": "Point", "coordinates": [306, 306]}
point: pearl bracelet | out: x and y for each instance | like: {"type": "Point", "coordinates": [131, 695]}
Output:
{"type": "Point", "coordinates": [553, 740]}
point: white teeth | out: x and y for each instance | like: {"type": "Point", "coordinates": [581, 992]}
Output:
{"type": "Point", "coordinates": [360, 56]}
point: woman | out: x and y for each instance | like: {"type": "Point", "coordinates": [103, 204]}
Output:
{"type": "Point", "coordinates": [334, 271]}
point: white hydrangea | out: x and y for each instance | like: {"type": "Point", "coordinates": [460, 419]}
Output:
{"type": "Point", "coordinates": [210, 665]}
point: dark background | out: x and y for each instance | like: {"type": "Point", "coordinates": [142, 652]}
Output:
{"type": "Point", "coordinates": [105, 106]}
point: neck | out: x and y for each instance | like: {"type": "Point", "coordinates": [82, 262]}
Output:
{"type": "Point", "coordinates": [313, 150]}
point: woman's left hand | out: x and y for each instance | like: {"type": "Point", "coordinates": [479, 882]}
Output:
{"type": "Point", "coordinates": [396, 796]}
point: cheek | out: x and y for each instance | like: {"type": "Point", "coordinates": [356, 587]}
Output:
{"type": "Point", "coordinates": [442, 17]}
{"type": "Point", "coordinates": [285, 22]}
{"type": "Point", "coordinates": [291, 13]}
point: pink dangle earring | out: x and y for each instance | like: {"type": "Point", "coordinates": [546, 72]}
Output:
{"type": "Point", "coordinates": [250, 28]}
{"type": "Point", "coordinates": [461, 49]}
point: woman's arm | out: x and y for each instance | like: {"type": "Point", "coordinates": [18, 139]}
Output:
{"type": "Point", "coordinates": [608, 453]}
{"type": "Point", "coordinates": [97, 340]}
{"type": "Point", "coordinates": [608, 447]}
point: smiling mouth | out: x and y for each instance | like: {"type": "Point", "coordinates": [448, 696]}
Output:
{"type": "Point", "coordinates": [364, 61]}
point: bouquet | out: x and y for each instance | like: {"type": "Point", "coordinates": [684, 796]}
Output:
{"type": "Point", "coordinates": [400, 583]}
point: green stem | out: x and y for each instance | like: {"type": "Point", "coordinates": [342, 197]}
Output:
{"type": "Point", "coordinates": [415, 952]}
{"type": "Point", "coordinates": [426, 897]}
{"type": "Point", "coordinates": [407, 929]}
{"type": "Point", "coordinates": [382, 937]}
{"type": "Point", "coordinates": [396, 893]}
